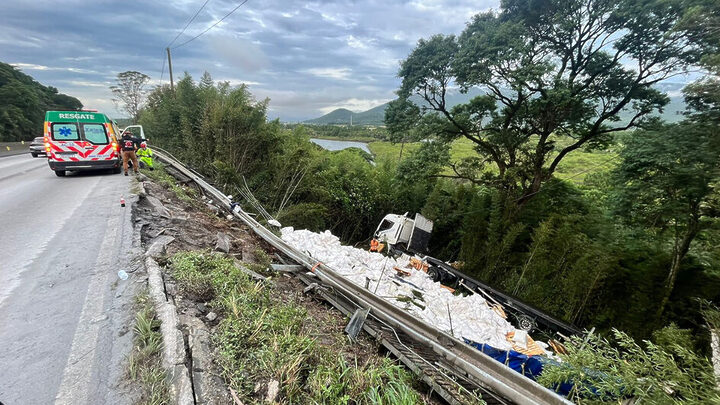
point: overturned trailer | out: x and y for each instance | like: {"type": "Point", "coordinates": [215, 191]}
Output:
{"type": "Point", "coordinates": [405, 235]}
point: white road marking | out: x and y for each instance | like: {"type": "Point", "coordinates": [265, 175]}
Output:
{"type": "Point", "coordinates": [75, 385]}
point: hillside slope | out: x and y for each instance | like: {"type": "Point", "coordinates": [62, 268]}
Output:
{"type": "Point", "coordinates": [373, 116]}
{"type": "Point", "coordinates": [23, 102]}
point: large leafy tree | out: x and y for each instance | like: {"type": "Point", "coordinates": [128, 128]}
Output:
{"type": "Point", "coordinates": [554, 75]}
{"type": "Point", "coordinates": [129, 92]}
{"type": "Point", "coordinates": [667, 182]}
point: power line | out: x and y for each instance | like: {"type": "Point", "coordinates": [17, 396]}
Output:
{"type": "Point", "coordinates": [212, 26]}
{"type": "Point", "coordinates": [188, 24]}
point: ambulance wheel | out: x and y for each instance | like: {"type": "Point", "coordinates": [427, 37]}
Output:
{"type": "Point", "coordinates": [34, 154]}
{"type": "Point", "coordinates": [60, 173]}
{"type": "Point", "coordinates": [117, 170]}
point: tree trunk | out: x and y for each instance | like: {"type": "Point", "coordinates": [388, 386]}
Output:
{"type": "Point", "coordinates": [679, 253]}
{"type": "Point", "coordinates": [531, 191]}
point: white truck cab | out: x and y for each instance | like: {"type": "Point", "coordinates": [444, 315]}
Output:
{"type": "Point", "coordinates": [404, 233]}
{"type": "Point", "coordinates": [136, 130]}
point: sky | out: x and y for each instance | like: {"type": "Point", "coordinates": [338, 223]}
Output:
{"type": "Point", "coordinates": [308, 58]}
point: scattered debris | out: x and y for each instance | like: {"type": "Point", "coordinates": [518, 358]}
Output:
{"type": "Point", "coordinates": [158, 207]}
{"type": "Point", "coordinates": [356, 323]}
{"type": "Point", "coordinates": [273, 389]}
{"type": "Point", "coordinates": [157, 248]}
{"type": "Point", "coordinates": [198, 231]}
{"type": "Point", "coordinates": [287, 268]}
{"type": "Point", "coordinates": [223, 242]}
{"type": "Point", "coordinates": [472, 316]}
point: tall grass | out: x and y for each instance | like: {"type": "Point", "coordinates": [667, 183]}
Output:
{"type": "Point", "coordinates": [262, 338]}
{"type": "Point", "coordinates": [145, 361]}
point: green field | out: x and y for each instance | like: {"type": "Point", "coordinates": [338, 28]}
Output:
{"type": "Point", "coordinates": [574, 167]}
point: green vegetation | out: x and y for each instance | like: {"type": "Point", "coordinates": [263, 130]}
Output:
{"type": "Point", "coordinates": [540, 184]}
{"type": "Point", "coordinates": [263, 337]}
{"type": "Point", "coordinates": [574, 168]}
{"type": "Point", "coordinates": [145, 361]}
{"type": "Point", "coordinates": [23, 103]}
{"type": "Point", "coordinates": [543, 85]}
{"type": "Point", "coordinates": [606, 370]}
{"type": "Point", "coordinates": [161, 176]}
{"type": "Point", "coordinates": [341, 132]}
{"type": "Point", "coordinates": [565, 251]}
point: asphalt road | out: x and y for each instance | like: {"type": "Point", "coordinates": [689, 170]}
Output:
{"type": "Point", "coordinates": [65, 316]}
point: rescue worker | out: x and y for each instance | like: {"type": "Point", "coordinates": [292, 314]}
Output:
{"type": "Point", "coordinates": [145, 156]}
{"type": "Point", "coordinates": [128, 144]}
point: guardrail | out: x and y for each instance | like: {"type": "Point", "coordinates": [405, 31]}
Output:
{"type": "Point", "coordinates": [466, 361]}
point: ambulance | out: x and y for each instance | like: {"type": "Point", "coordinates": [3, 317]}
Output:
{"type": "Point", "coordinates": [81, 140]}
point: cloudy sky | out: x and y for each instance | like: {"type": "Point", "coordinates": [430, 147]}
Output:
{"type": "Point", "coordinates": [307, 57]}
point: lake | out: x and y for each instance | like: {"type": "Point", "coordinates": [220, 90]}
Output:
{"type": "Point", "coordinates": [339, 145]}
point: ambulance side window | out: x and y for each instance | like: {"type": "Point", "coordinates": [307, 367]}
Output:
{"type": "Point", "coordinates": [65, 132]}
{"type": "Point", "coordinates": [95, 133]}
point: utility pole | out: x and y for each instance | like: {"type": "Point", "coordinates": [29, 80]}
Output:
{"type": "Point", "coordinates": [172, 85]}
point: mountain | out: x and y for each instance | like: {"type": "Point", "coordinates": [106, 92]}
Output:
{"type": "Point", "coordinates": [376, 115]}
{"type": "Point", "coordinates": [373, 116]}
{"type": "Point", "coordinates": [23, 103]}
{"type": "Point", "coordinates": [339, 116]}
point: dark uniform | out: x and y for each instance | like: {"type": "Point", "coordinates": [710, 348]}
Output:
{"type": "Point", "coordinates": [129, 144]}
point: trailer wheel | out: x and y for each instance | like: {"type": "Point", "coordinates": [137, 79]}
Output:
{"type": "Point", "coordinates": [525, 322]}
{"type": "Point", "coordinates": [434, 273]}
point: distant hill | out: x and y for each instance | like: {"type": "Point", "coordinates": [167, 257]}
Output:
{"type": "Point", "coordinates": [376, 115]}
{"type": "Point", "coordinates": [341, 116]}
{"type": "Point", "coordinates": [23, 103]}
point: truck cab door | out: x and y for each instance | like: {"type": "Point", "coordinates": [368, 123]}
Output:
{"type": "Point", "coordinates": [137, 130]}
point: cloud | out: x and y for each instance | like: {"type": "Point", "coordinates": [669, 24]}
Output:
{"type": "Point", "coordinates": [307, 56]}
{"type": "Point", "coordinates": [32, 66]}
{"type": "Point", "coordinates": [239, 53]}
{"type": "Point", "coordinates": [83, 83]}
{"type": "Point", "coordinates": [331, 73]}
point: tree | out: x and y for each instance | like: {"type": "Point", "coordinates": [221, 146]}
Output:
{"type": "Point", "coordinates": [598, 370]}
{"type": "Point", "coordinates": [555, 76]}
{"type": "Point", "coordinates": [23, 103]}
{"type": "Point", "coordinates": [667, 182]}
{"type": "Point", "coordinates": [130, 92]}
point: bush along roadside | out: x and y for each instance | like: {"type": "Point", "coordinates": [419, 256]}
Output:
{"type": "Point", "coordinates": [145, 362]}
{"type": "Point", "coordinates": [268, 349]}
